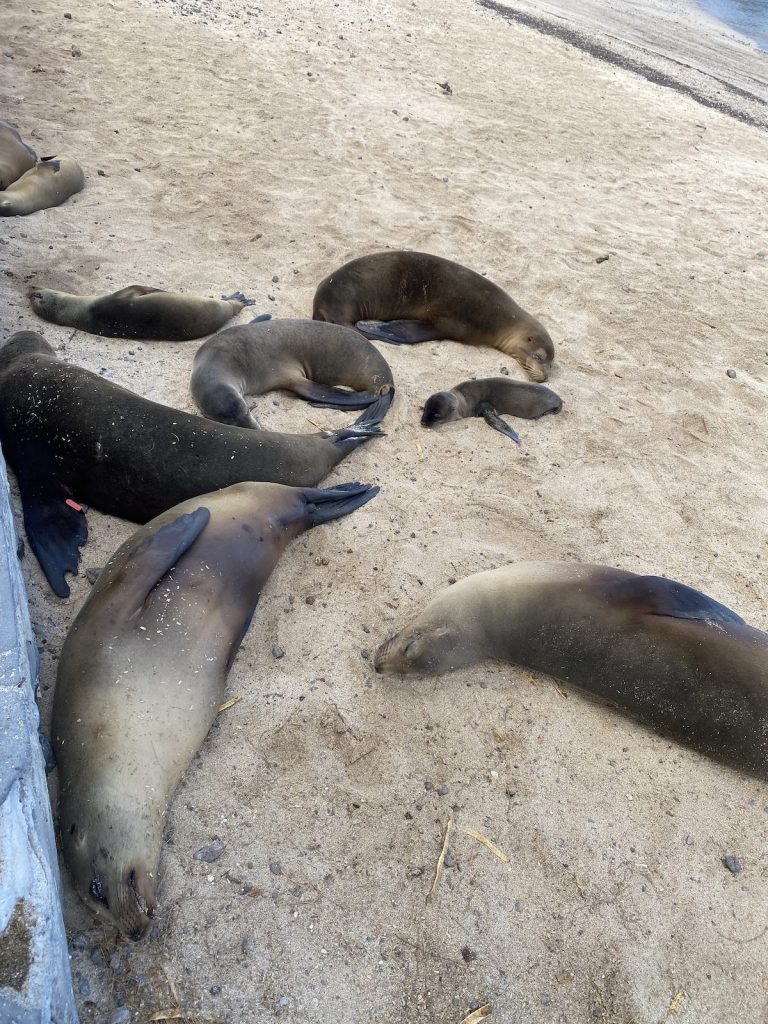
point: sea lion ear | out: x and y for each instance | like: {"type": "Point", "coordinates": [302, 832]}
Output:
{"type": "Point", "coordinates": [154, 556]}
{"type": "Point", "coordinates": [654, 595]}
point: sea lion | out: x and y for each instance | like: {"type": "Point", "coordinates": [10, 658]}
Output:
{"type": "Point", "coordinates": [49, 183]}
{"type": "Point", "coordinates": [149, 314]}
{"type": "Point", "coordinates": [669, 656]}
{"type": "Point", "coordinates": [488, 397]}
{"type": "Point", "coordinates": [142, 673]}
{"type": "Point", "coordinates": [16, 156]}
{"type": "Point", "coordinates": [426, 298]}
{"type": "Point", "coordinates": [72, 437]}
{"type": "Point", "coordinates": [303, 356]}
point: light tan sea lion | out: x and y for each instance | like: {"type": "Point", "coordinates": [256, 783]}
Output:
{"type": "Point", "coordinates": [49, 183]}
{"type": "Point", "coordinates": [142, 675]}
{"type": "Point", "coordinates": [669, 656]}
{"type": "Point", "coordinates": [303, 356]}
{"type": "Point", "coordinates": [16, 156]}
{"type": "Point", "coordinates": [425, 298]}
{"type": "Point", "coordinates": [488, 397]}
{"type": "Point", "coordinates": [74, 438]}
{"type": "Point", "coordinates": [148, 314]}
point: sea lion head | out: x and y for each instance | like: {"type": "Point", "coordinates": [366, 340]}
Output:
{"type": "Point", "coordinates": [114, 884]}
{"type": "Point", "coordinates": [23, 343]}
{"type": "Point", "coordinates": [436, 641]}
{"type": "Point", "coordinates": [537, 352]}
{"type": "Point", "coordinates": [440, 408]}
{"type": "Point", "coordinates": [45, 302]}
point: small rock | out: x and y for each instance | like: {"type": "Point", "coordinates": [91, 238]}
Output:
{"type": "Point", "coordinates": [445, 86]}
{"type": "Point", "coordinates": [519, 906]}
{"type": "Point", "coordinates": [428, 784]}
{"type": "Point", "coordinates": [365, 654]}
{"type": "Point", "coordinates": [101, 174]}
{"type": "Point", "coordinates": [116, 964]}
{"type": "Point", "coordinates": [275, 279]}
{"type": "Point", "coordinates": [209, 853]}
{"type": "Point", "coordinates": [278, 652]}
{"type": "Point", "coordinates": [733, 863]}
{"type": "Point", "coordinates": [602, 259]}
{"type": "Point", "coordinates": [468, 955]}
{"type": "Point", "coordinates": [689, 840]}
{"type": "Point", "coordinates": [449, 861]}
{"type": "Point", "coordinates": [247, 945]}
{"type": "Point", "coordinates": [93, 574]}
{"type": "Point", "coordinates": [276, 868]}
{"type": "Point", "coordinates": [215, 990]}
{"type": "Point", "coordinates": [68, 16]}
{"type": "Point", "coordinates": [83, 988]}
{"type": "Point", "coordinates": [283, 1001]}
{"type": "Point", "coordinates": [77, 53]}
{"type": "Point", "coordinates": [443, 790]}
{"type": "Point", "coordinates": [546, 999]}
{"type": "Point", "coordinates": [121, 1016]}
{"type": "Point", "coordinates": [309, 600]}
{"type": "Point", "coordinates": [731, 374]}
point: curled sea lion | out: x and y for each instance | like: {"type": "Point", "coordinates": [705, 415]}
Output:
{"type": "Point", "coordinates": [303, 356]}
{"type": "Point", "coordinates": [669, 656]}
{"type": "Point", "coordinates": [16, 156]}
{"type": "Point", "coordinates": [488, 397]}
{"type": "Point", "coordinates": [47, 184]}
{"type": "Point", "coordinates": [72, 437]}
{"type": "Point", "coordinates": [143, 669]}
{"type": "Point", "coordinates": [149, 314]}
{"type": "Point", "coordinates": [426, 298]}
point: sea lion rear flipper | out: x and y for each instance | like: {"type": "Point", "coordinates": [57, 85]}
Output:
{"type": "Point", "coordinates": [326, 505]}
{"type": "Point", "coordinates": [367, 424]}
{"type": "Point", "coordinates": [56, 528]}
{"type": "Point", "coordinates": [156, 554]}
{"type": "Point", "coordinates": [493, 419]}
{"type": "Point", "coordinates": [246, 302]}
{"type": "Point", "coordinates": [323, 396]}
{"type": "Point", "coordinates": [399, 332]}
{"type": "Point", "coordinates": [654, 595]}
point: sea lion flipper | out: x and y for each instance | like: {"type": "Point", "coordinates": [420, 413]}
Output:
{"type": "Point", "coordinates": [325, 505]}
{"type": "Point", "coordinates": [493, 419]}
{"type": "Point", "coordinates": [654, 595]}
{"type": "Point", "coordinates": [156, 554]}
{"type": "Point", "coordinates": [399, 332]}
{"type": "Point", "coordinates": [57, 528]}
{"type": "Point", "coordinates": [367, 423]}
{"type": "Point", "coordinates": [323, 396]}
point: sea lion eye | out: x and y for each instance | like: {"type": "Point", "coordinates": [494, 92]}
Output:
{"type": "Point", "coordinates": [96, 890]}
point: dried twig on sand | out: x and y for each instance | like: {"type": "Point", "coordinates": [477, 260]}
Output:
{"type": "Point", "coordinates": [441, 858]}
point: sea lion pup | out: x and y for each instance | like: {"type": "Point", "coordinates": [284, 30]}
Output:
{"type": "Point", "coordinates": [148, 314]}
{"type": "Point", "coordinates": [303, 356]}
{"type": "Point", "coordinates": [16, 156]}
{"type": "Point", "coordinates": [49, 183]}
{"type": "Point", "coordinates": [426, 298]}
{"type": "Point", "coordinates": [143, 669]}
{"type": "Point", "coordinates": [72, 437]}
{"type": "Point", "coordinates": [669, 656]}
{"type": "Point", "coordinates": [488, 397]}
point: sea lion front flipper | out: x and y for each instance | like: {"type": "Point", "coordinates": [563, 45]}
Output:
{"type": "Point", "coordinates": [134, 291]}
{"type": "Point", "coordinates": [654, 595]}
{"type": "Point", "coordinates": [493, 419]}
{"type": "Point", "coordinates": [155, 555]}
{"type": "Point", "coordinates": [326, 397]}
{"type": "Point", "coordinates": [56, 527]}
{"type": "Point", "coordinates": [399, 332]}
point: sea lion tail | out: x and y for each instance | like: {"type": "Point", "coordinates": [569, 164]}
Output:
{"type": "Point", "coordinates": [326, 505]}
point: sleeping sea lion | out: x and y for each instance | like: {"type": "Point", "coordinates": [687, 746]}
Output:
{"type": "Point", "coordinates": [302, 356]}
{"type": "Point", "coordinates": [143, 669]}
{"type": "Point", "coordinates": [488, 397]}
{"type": "Point", "coordinates": [669, 656]}
{"type": "Point", "coordinates": [49, 183]}
{"type": "Point", "coordinates": [149, 314]}
{"type": "Point", "coordinates": [426, 298]}
{"type": "Point", "coordinates": [72, 437]}
{"type": "Point", "coordinates": [16, 156]}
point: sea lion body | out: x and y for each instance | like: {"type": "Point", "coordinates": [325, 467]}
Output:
{"type": "Point", "coordinates": [671, 657]}
{"type": "Point", "coordinates": [430, 298]}
{"type": "Point", "coordinates": [72, 437]}
{"type": "Point", "coordinates": [489, 397]}
{"type": "Point", "coordinates": [142, 674]}
{"type": "Point", "coordinates": [303, 356]}
{"type": "Point", "coordinates": [148, 314]}
{"type": "Point", "coordinates": [47, 184]}
{"type": "Point", "coordinates": [16, 157]}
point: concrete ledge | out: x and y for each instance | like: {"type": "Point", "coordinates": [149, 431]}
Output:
{"type": "Point", "coordinates": [35, 978]}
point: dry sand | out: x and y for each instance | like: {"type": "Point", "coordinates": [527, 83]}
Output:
{"type": "Point", "coordinates": [257, 147]}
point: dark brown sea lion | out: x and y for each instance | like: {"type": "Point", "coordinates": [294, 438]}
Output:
{"type": "Point", "coordinates": [488, 397]}
{"type": "Point", "coordinates": [149, 314]}
{"type": "Point", "coordinates": [47, 184]}
{"type": "Point", "coordinates": [669, 656]}
{"type": "Point", "coordinates": [16, 156]}
{"type": "Point", "coordinates": [425, 298]}
{"type": "Point", "coordinates": [73, 438]}
{"type": "Point", "coordinates": [302, 356]}
{"type": "Point", "coordinates": [142, 675]}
